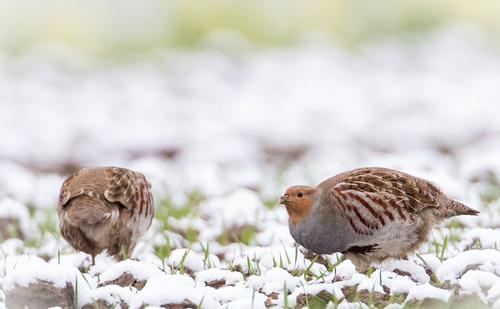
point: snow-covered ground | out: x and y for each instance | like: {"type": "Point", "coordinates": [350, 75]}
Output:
{"type": "Point", "coordinates": [220, 135]}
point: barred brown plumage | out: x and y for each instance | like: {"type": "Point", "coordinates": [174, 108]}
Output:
{"type": "Point", "coordinates": [105, 208]}
{"type": "Point", "coordinates": [370, 214]}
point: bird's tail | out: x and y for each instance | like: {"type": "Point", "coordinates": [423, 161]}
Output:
{"type": "Point", "coordinates": [86, 210]}
{"type": "Point", "coordinates": [456, 209]}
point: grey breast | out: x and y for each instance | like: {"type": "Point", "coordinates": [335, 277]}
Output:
{"type": "Point", "coordinates": [322, 232]}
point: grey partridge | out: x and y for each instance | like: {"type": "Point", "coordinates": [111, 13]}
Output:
{"type": "Point", "coordinates": [105, 208]}
{"type": "Point", "coordinates": [369, 214]}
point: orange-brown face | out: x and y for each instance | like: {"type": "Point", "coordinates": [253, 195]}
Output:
{"type": "Point", "coordinates": [298, 201]}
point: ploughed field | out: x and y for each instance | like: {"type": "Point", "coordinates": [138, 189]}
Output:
{"type": "Point", "coordinates": [220, 136]}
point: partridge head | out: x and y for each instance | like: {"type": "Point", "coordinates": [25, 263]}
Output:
{"type": "Point", "coordinates": [105, 208]}
{"type": "Point", "coordinates": [299, 200]}
{"type": "Point", "coordinates": [369, 214]}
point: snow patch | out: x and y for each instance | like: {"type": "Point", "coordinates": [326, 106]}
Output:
{"type": "Point", "coordinates": [140, 271]}
{"type": "Point", "coordinates": [274, 280]}
{"type": "Point", "coordinates": [256, 302]}
{"type": "Point", "coordinates": [11, 209]}
{"type": "Point", "coordinates": [159, 295]}
{"type": "Point", "coordinates": [426, 291]}
{"type": "Point", "coordinates": [416, 272]}
{"type": "Point", "coordinates": [191, 260]}
{"type": "Point", "coordinates": [486, 260]}
{"type": "Point", "coordinates": [179, 280]}
{"type": "Point", "coordinates": [238, 208]}
{"type": "Point", "coordinates": [59, 275]}
{"type": "Point", "coordinates": [489, 238]}
{"type": "Point", "coordinates": [214, 274]}
{"type": "Point", "coordinates": [113, 294]}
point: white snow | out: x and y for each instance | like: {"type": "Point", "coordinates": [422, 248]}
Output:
{"type": "Point", "coordinates": [494, 293]}
{"type": "Point", "coordinates": [431, 260]}
{"type": "Point", "coordinates": [11, 263]}
{"type": "Point", "coordinates": [59, 275]}
{"type": "Point", "coordinates": [103, 262]}
{"type": "Point", "coordinates": [159, 295]}
{"type": "Point", "coordinates": [13, 210]}
{"type": "Point", "coordinates": [174, 240]}
{"type": "Point", "coordinates": [475, 280]}
{"type": "Point", "coordinates": [496, 304]}
{"type": "Point", "coordinates": [278, 255]}
{"type": "Point", "coordinates": [113, 294]}
{"type": "Point", "coordinates": [397, 284]}
{"type": "Point", "coordinates": [416, 272]}
{"type": "Point", "coordinates": [77, 260]}
{"type": "Point", "coordinates": [343, 271]}
{"type": "Point", "coordinates": [373, 283]}
{"type": "Point", "coordinates": [238, 208]}
{"type": "Point", "coordinates": [152, 259]}
{"type": "Point", "coordinates": [354, 280]}
{"type": "Point", "coordinates": [274, 233]}
{"type": "Point", "coordinates": [207, 124]}
{"type": "Point", "coordinates": [179, 280]}
{"type": "Point", "coordinates": [454, 267]}
{"type": "Point", "coordinates": [140, 271]}
{"type": "Point", "coordinates": [489, 238]}
{"type": "Point", "coordinates": [227, 294]}
{"type": "Point", "coordinates": [394, 306]}
{"type": "Point", "coordinates": [257, 301]}
{"type": "Point", "coordinates": [426, 291]}
{"type": "Point", "coordinates": [192, 260]}
{"type": "Point", "coordinates": [274, 280]}
{"type": "Point", "coordinates": [213, 274]}
{"type": "Point", "coordinates": [10, 247]}
{"type": "Point", "coordinates": [14, 179]}
{"type": "Point", "coordinates": [311, 289]}
{"type": "Point", "coordinates": [401, 285]}
{"type": "Point", "coordinates": [347, 305]}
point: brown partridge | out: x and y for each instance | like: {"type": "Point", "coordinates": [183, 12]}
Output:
{"type": "Point", "coordinates": [369, 214]}
{"type": "Point", "coordinates": [105, 208]}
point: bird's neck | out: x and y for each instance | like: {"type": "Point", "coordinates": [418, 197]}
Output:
{"type": "Point", "coordinates": [299, 214]}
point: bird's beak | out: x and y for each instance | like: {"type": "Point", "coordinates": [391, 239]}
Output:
{"type": "Point", "coordinates": [284, 199]}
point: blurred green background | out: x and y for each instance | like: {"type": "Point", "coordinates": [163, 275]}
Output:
{"type": "Point", "coordinates": [112, 28]}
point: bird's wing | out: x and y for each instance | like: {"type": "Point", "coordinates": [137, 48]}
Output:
{"type": "Point", "coordinates": [80, 183]}
{"type": "Point", "coordinates": [372, 198]}
{"type": "Point", "coordinates": [127, 188]}
{"type": "Point", "coordinates": [64, 195]}
{"type": "Point", "coordinates": [396, 189]}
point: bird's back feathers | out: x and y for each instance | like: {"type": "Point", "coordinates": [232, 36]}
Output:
{"type": "Point", "coordinates": [412, 193]}
{"type": "Point", "coordinates": [105, 208]}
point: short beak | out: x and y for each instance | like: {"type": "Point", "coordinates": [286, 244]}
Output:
{"type": "Point", "coordinates": [284, 199]}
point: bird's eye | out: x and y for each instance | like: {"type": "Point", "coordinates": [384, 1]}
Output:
{"type": "Point", "coordinates": [300, 194]}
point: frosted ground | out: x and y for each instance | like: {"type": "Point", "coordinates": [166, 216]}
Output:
{"type": "Point", "coordinates": [220, 135]}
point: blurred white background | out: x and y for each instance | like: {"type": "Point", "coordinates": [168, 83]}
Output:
{"type": "Point", "coordinates": [219, 95]}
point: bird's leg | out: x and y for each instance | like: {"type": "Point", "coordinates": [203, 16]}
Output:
{"type": "Point", "coordinates": [308, 254]}
{"type": "Point", "coordinates": [316, 258]}
{"type": "Point", "coordinates": [93, 260]}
